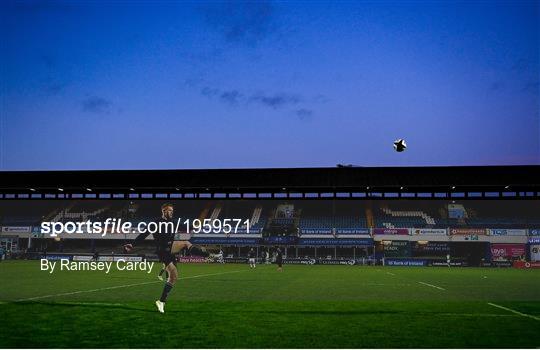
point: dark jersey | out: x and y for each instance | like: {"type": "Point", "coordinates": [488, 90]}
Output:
{"type": "Point", "coordinates": [251, 254]}
{"type": "Point", "coordinates": [163, 239]}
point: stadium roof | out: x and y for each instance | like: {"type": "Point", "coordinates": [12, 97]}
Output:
{"type": "Point", "coordinates": [285, 180]}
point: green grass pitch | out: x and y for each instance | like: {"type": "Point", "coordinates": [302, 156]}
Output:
{"type": "Point", "coordinates": [233, 306]}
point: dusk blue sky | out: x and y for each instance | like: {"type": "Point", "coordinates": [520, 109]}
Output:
{"type": "Point", "coordinates": [177, 85]}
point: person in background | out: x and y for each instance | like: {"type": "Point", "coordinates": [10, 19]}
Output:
{"type": "Point", "coordinates": [251, 256]}
{"type": "Point", "coordinates": [279, 260]}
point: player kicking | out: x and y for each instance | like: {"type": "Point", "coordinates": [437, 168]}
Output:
{"type": "Point", "coordinates": [251, 256]}
{"type": "Point", "coordinates": [166, 248]}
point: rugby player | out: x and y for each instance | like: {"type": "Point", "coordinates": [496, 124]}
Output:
{"type": "Point", "coordinates": [166, 248]}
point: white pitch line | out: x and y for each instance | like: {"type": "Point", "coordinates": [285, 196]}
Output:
{"type": "Point", "coordinates": [86, 291]}
{"type": "Point", "coordinates": [387, 284]}
{"type": "Point", "coordinates": [122, 286]}
{"type": "Point", "coordinates": [210, 274]}
{"type": "Point", "coordinates": [101, 304]}
{"type": "Point", "coordinates": [476, 315]}
{"type": "Point", "coordinates": [431, 285]}
{"type": "Point", "coordinates": [390, 273]}
{"type": "Point", "coordinates": [514, 311]}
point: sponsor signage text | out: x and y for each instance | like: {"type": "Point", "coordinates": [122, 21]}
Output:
{"type": "Point", "coordinates": [390, 231]}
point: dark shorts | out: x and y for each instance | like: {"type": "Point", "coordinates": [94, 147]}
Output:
{"type": "Point", "coordinates": [279, 263]}
{"type": "Point", "coordinates": [167, 258]}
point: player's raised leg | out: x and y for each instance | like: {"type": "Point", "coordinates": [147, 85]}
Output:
{"type": "Point", "coordinates": [178, 246]}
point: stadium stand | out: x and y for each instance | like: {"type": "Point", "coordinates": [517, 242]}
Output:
{"type": "Point", "coordinates": [83, 211]}
{"type": "Point", "coordinates": [350, 222]}
{"type": "Point", "coordinates": [406, 215]}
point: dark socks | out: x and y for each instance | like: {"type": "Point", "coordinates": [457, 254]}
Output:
{"type": "Point", "coordinates": [166, 289]}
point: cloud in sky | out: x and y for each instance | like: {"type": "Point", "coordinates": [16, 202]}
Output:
{"type": "Point", "coordinates": [274, 101]}
{"type": "Point", "coordinates": [95, 104]}
{"type": "Point", "coordinates": [232, 97]}
{"type": "Point", "coordinates": [243, 23]}
{"type": "Point", "coordinates": [304, 114]}
{"type": "Point", "coordinates": [277, 100]}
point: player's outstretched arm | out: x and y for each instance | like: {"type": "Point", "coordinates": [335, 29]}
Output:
{"type": "Point", "coordinates": [141, 237]}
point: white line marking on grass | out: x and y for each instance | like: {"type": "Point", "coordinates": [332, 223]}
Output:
{"type": "Point", "coordinates": [211, 274]}
{"type": "Point", "coordinates": [514, 311]}
{"type": "Point", "coordinates": [476, 315]}
{"type": "Point", "coordinates": [390, 273]}
{"type": "Point", "coordinates": [431, 285]}
{"type": "Point", "coordinates": [86, 291]}
{"type": "Point", "coordinates": [387, 284]}
{"type": "Point", "coordinates": [122, 286]}
{"type": "Point", "coordinates": [98, 304]}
